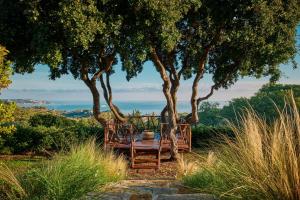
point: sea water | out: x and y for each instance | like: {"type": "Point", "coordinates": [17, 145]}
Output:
{"type": "Point", "coordinates": [126, 107]}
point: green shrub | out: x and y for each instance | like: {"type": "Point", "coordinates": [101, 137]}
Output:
{"type": "Point", "coordinates": [41, 136]}
{"type": "Point", "coordinates": [33, 139]}
{"type": "Point", "coordinates": [204, 135]}
{"type": "Point", "coordinates": [85, 168]}
{"type": "Point", "coordinates": [49, 120]}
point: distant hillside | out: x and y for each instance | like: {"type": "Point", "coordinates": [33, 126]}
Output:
{"type": "Point", "coordinates": [26, 101]}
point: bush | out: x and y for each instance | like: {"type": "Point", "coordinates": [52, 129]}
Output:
{"type": "Point", "coordinates": [203, 135]}
{"type": "Point", "coordinates": [263, 162]}
{"type": "Point", "coordinates": [49, 120]}
{"type": "Point", "coordinates": [33, 139]}
{"type": "Point", "coordinates": [41, 139]}
{"type": "Point", "coordinates": [85, 168]}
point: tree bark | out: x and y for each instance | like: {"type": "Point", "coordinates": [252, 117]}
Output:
{"type": "Point", "coordinates": [107, 93]}
{"type": "Point", "coordinates": [172, 124]}
{"type": "Point", "coordinates": [175, 83]}
{"type": "Point", "coordinates": [194, 115]}
{"type": "Point", "coordinates": [174, 89]}
{"type": "Point", "coordinates": [163, 114]}
{"type": "Point", "coordinates": [91, 84]}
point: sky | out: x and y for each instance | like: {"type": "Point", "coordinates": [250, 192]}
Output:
{"type": "Point", "coordinates": [147, 86]}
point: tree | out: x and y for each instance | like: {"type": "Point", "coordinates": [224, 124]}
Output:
{"type": "Point", "coordinates": [233, 39]}
{"type": "Point", "coordinates": [153, 35]}
{"type": "Point", "coordinates": [226, 40]}
{"type": "Point", "coordinates": [6, 109]}
{"type": "Point", "coordinates": [77, 37]}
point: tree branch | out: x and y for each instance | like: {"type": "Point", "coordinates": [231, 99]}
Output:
{"type": "Point", "coordinates": [207, 96]}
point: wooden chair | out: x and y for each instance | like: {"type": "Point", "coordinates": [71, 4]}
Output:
{"type": "Point", "coordinates": [109, 135]}
{"type": "Point", "coordinates": [164, 138]}
{"type": "Point", "coordinates": [117, 135]}
{"type": "Point", "coordinates": [183, 135]}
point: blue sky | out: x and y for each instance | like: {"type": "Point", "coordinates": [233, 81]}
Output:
{"type": "Point", "coordinates": [145, 87]}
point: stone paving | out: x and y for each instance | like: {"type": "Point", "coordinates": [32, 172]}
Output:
{"type": "Point", "coordinates": [148, 190]}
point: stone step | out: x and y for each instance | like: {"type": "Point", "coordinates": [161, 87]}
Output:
{"type": "Point", "coordinates": [196, 196]}
{"type": "Point", "coordinates": [155, 190]}
{"type": "Point", "coordinates": [149, 196]}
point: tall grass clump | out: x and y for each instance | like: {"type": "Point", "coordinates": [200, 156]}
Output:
{"type": "Point", "coordinates": [262, 162]}
{"type": "Point", "coordinates": [10, 187]}
{"type": "Point", "coordinates": [70, 176]}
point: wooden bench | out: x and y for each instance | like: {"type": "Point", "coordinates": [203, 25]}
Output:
{"type": "Point", "coordinates": [145, 154]}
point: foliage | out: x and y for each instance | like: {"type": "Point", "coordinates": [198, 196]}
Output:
{"type": "Point", "coordinates": [205, 135]}
{"type": "Point", "coordinates": [84, 169]}
{"type": "Point", "coordinates": [48, 132]}
{"type": "Point", "coordinates": [6, 109]}
{"type": "Point", "coordinates": [261, 163]}
{"type": "Point", "coordinates": [209, 114]}
{"type": "Point", "coordinates": [7, 117]}
{"type": "Point", "coordinates": [5, 70]}
{"type": "Point", "coordinates": [265, 102]}
{"type": "Point", "coordinates": [22, 115]}
{"type": "Point", "coordinates": [49, 120]}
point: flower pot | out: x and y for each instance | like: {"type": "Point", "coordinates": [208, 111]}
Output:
{"type": "Point", "coordinates": [148, 135]}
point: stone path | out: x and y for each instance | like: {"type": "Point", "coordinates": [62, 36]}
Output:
{"type": "Point", "coordinates": [148, 190]}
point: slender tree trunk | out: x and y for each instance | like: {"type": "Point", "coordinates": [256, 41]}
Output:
{"type": "Point", "coordinates": [91, 84]}
{"type": "Point", "coordinates": [172, 124]}
{"type": "Point", "coordinates": [174, 89]}
{"type": "Point", "coordinates": [107, 93]}
{"type": "Point", "coordinates": [194, 115]}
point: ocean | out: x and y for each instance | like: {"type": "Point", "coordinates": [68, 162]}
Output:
{"type": "Point", "coordinates": [126, 107]}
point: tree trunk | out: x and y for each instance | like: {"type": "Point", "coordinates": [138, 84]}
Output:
{"type": "Point", "coordinates": [194, 115]}
{"type": "Point", "coordinates": [172, 124]}
{"type": "Point", "coordinates": [174, 89]}
{"type": "Point", "coordinates": [107, 93]}
{"type": "Point", "coordinates": [163, 114]}
{"type": "Point", "coordinates": [96, 97]}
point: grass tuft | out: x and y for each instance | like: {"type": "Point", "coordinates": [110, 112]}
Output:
{"type": "Point", "coordinates": [10, 187]}
{"type": "Point", "coordinates": [85, 168]}
{"type": "Point", "coordinates": [262, 162]}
